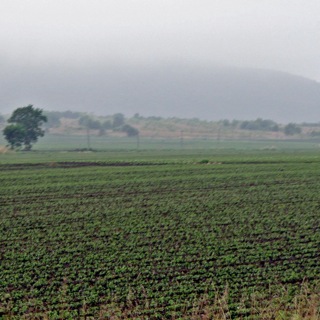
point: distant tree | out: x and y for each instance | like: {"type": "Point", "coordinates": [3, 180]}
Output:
{"type": "Point", "coordinates": [154, 118]}
{"type": "Point", "coordinates": [25, 128]}
{"type": "Point", "coordinates": [94, 124]}
{"type": "Point", "coordinates": [70, 114]}
{"type": "Point", "coordinates": [129, 130]}
{"type": "Point", "coordinates": [315, 134]}
{"type": "Point", "coordinates": [118, 120]}
{"type": "Point", "coordinates": [2, 120]}
{"type": "Point", "coordinates": [259, 124]}
{"type": "Point", "coordinates": [107, 125]}
{"type": "Point", "coordinates": [225, 122]}
{"type": "Point", "coordinates": [291, 129]}
{"type": "Point", "coordinates": [235, 123]}
{"type": "Point", "coordinates": [53, 118]}
{"type": "Point", "coordinates": [89, 123]}
{"type": "Point", "coordinates": [83, 121]}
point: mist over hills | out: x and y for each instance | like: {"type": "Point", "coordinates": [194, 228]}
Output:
{"type": "Point", "coordinates": [183, 91]}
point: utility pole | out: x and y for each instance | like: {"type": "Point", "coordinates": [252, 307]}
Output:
{"type": "Point", "coordinates": [181, 139]}
{"type": "Point", "coordinates": [219, 134]}
{"type": "Point", "coordinates": [88, 136]}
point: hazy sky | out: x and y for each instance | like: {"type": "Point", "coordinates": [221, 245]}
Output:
{"type": "Point", "coordinates": [82, 34]}
{"type": "Point", "coordinates": [276, 34]}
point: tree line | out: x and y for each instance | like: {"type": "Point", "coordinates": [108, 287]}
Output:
{"type": "Point", "coordinates": [117, 123]}
{"type": "Point", "coordinates": [27, 124]}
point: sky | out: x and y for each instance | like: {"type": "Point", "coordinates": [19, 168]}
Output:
{"type": "Point", "coordinates": [83, 35]}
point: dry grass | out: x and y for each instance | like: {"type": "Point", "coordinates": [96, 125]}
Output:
{"type": "Point", "coordinates": [281, 306]}
{"type": "Point", "coordinates": [4, 150]}
{"type": "Point", "coordinates": [303, 306]}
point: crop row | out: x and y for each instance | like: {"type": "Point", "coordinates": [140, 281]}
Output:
{"type": "Point", "coordinates": [163, 234]}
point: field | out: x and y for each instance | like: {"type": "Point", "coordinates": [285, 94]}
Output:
{"type": "Point", "coordinates": [159, 234]}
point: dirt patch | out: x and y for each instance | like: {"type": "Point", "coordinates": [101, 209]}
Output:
{"type": "Point", "coordinates": [23, 166]}
{"type": "Point", "coordinates": [4, 150]}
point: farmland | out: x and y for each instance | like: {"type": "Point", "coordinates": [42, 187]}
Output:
{"type": "Point", "coordinates": [152, 234]}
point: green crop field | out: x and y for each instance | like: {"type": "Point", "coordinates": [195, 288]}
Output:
{"type": "Point", "coordinates": [157, 234]}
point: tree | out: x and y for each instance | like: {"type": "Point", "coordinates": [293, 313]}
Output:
{"type": "Point", "coordinates": [89, 123]}
{"type": "Point", "coordinates": [107, 125]}
{"type": "Point", "coordinates": [118, 120]}
{"type": "Point", "coordinates": [14, 134]}
{"type": "Point", "coordinates": [53, 119]}
{"type": "Point", "coordinates": [25, 127]}
{"type": "Point", "coordinates": [291, 129]}
{"type": "Point", "coordinates": [129, 130]}
{"type": "Point", "coordinates": [259, 124]}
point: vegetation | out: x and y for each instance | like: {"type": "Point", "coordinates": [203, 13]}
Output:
{"type": "Point", "coordinates": [2, 119]}
{"type": "Point", "coordinates": [204, 234]}
{"type": "Point", "coordinates": [260, 124]}
{"type": "Point", "coordinates": [117, 124]}
{"type": "Point", "coordinates": [129, 130]}
{"type": "Point", "coordinates": [25, 128]}
{"type": "Point", "coordinates": [77, 123]}
{"type": "Point", "coordinates": [118, 120]}
{"type": "Point", "coordinates": [89, 123]}
{"type": "Point", "coordinates": [291, 129]}
{"type": "Point", "coordinates": [64, 114]}
{"type": "Point", "coordinates": [212, 223]}
{"type": "Point", "coordinates": [53, 119]}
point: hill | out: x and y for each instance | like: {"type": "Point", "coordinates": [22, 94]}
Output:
{"type": "Point", "coordinates": [76, 123]}
{"type": "Point", "coordinates": [168, 91]}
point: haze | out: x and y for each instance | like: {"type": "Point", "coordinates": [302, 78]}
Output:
{"type": "Point", "coordinates": [48, 46]}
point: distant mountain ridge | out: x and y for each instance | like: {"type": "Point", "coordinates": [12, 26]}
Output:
{"type": "Point", "coordinates": [170, 91]}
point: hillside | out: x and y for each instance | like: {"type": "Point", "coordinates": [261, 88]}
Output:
{"type": "Point", "coordinates": [158, 127]}
{"type": "Point", "coordinates": [183, 91]}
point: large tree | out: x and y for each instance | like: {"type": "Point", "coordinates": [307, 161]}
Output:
{"type": "Point", "coordinates": [25, 127]}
